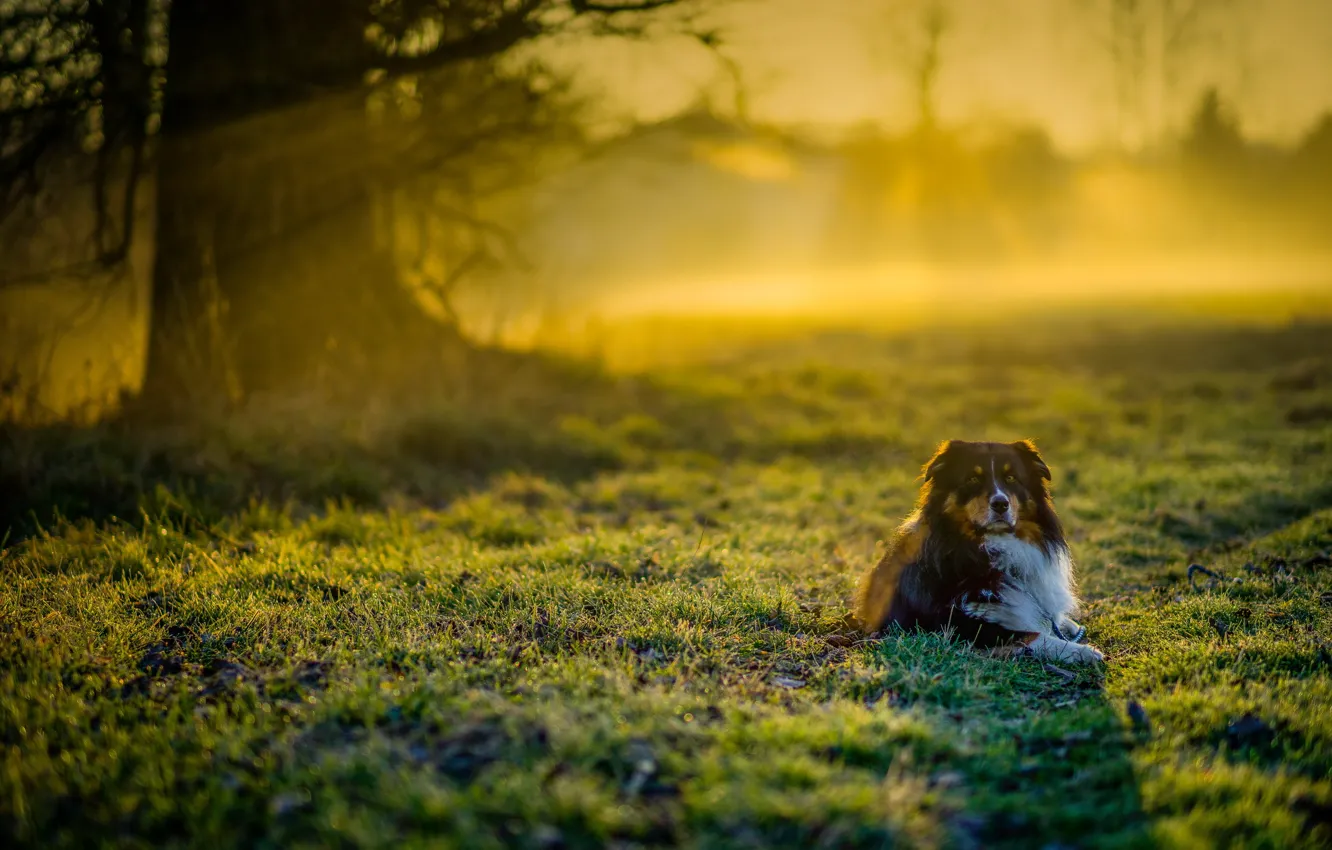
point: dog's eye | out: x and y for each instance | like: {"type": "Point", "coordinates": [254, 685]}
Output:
{"type": "Point", "coordinates": [1010, 478]}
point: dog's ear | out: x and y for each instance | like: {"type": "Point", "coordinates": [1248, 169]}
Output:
{"type": "Point", "coordinates": [940, 459]}
{"type": "Point", "coordinates": [1029, 453]}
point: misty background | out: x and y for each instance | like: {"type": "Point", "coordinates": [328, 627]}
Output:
{"type": "Point", "coordinates": [205, 205]}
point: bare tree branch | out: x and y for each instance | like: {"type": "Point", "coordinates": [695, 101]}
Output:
{"type": "Point", "coordinates": [583, 7]}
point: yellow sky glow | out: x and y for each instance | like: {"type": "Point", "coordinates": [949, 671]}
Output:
{"type": "Point", "coordinates": [842, 62]}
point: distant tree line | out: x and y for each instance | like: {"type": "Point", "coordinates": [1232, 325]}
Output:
{"type": "Point", "coordinates": [952, 193]}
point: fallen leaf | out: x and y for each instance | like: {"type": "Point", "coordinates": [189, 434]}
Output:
{"type": "Point", "coordinates": [644, 763]}
{"type": "Point", "coordinates": [548, 837]}
{"type": "Point", "coordinates": [1199, 568]}
{"type": "Point", "coordinates": [948, 779]}
{"type": "Point", "coordinates": [287, 802]}
{"type": "Point", "coordinates": [1249, 729]}
{"type": "Point", "coordinates": [1138, 715]}
{"type": "Point", "coordinates": [1066, 675]}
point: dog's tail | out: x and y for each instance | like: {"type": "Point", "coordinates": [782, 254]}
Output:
{"type": "Point", "coordinates": [874, 596]}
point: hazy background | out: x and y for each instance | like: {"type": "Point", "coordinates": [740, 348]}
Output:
{"type": "Point", "coordinates": [862, 159]}
{"type": "Point", "coordinates": [1044, 62]}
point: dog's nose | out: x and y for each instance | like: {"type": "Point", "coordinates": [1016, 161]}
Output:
{"type": "Point", "coordinates": [999, 504]}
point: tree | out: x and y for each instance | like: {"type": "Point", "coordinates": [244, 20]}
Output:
{"type": "Point", "coordinates": [288, 131]}
{"type": "Point", "coordinates": [1151, 43]}
{"type": "Point", "coordinates": [77, 82]}
{"type": "Point", "coordinates": [1214, 139]}
{"type": "Point", "coordinates": [910, 39]}
{"type": "Point", "coordinates": [448, 112]}
{"type": "Point", "coordinates": [76, 76]}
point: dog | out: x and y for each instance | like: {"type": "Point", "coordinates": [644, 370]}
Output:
{"type": "Point", "coordinates": [983, 554]}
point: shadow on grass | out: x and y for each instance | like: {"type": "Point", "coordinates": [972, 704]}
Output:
{"type": "Point", "coordinates": [528, 413]}
{"type": "Point", "coordinates": [1043, 756]}
{"type": "Point", "coordinates": [1261, 513]}
{"type": "Point", "coordinates": [566, 421]}
{"type": "Point", "coordinates": [521, 415]}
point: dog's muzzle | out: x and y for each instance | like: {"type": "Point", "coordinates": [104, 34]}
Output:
{"type": "Point", "coordinates": [1000, 520]}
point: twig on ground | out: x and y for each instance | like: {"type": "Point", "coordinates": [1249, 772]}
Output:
{"type": "Point", "coordinates": [1199, 568]}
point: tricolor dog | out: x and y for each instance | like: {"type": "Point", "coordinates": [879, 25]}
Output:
{"type": "Point", "coordinates": [983, 554]}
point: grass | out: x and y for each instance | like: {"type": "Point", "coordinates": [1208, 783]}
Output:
{"type": "Point", "coordinates": [574, 609]}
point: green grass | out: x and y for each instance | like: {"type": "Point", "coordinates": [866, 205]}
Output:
{"type": "Point", "coordinates": [571, 609]}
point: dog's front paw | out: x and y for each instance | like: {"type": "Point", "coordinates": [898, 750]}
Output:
{"type": "Point", "coordinates": [980, 604]}
{"type": "Point", "coordinates": [1052, 648]}
{"type": "Point", "coordinates": [1083, 653]}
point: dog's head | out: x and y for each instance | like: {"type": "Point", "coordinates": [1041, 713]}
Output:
{"type": "Point", "coordinates": [988, 488]}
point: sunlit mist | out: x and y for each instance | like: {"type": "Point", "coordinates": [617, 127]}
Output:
{"type": "Point", "coordinates": [755, 157]}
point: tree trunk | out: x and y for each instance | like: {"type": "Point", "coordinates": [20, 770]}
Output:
{"type": "Point", "coordinates": [189, 364]}
{"type": "Point", "coordinates": [270, 274]}
{"type": "Point", "coordinates": [315, 299]}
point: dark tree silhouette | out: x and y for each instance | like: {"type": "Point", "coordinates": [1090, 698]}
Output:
{"type": "Point", "coordinates": [1214, 139]}
{"type": "Point", "coordinates": [74, 76]}
{"type": "Point", "coordinates": [271, 169]}
{"type": "Point", "coordinates": [280, 134]}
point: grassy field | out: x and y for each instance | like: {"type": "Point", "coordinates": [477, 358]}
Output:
{"type": "Point", "coordinates": [561, 607]}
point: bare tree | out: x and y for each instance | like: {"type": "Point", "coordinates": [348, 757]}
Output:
{"type": "Point", "coordinates": [77, 94]}
{"type": "Point", "coordinates": [1151, 45]}
{"type": "Point", "coordinates": [76, 77]}
{"type": "Point", "coordinates": [909, 40]}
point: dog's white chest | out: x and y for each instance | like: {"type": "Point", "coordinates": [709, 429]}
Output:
{"type": "Point", "coordinates": [1046, 577]}
{"type": "Point", "coordinates": [1018, 558]}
